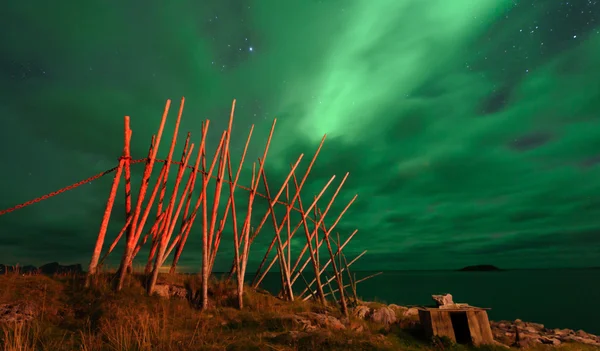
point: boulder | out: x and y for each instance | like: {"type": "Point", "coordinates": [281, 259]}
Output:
{"type": "Point", "coordinates": [361, 311]}
{"type": "Point", "coordinates": [383, 315]}
{"type": "Point", "coordinates": [525, 334]}
{"type": "Point", "coordinates": [443, 300]}
{"type": "Point", "coordinates": [413, 311]}
{"type": "Point", "coordinates": [323, 320]}
{"type": "Point", "coordinates": [168, 291]}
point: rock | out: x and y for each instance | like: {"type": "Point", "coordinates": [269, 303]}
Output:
{"type": "Point", "coordinates": [324, 321]}
{"type": "Point", "coordinates": [302, 322]}
{"type": "Point", "coordinates": [537, 326]}
{"type": "Point", "coordinates": [356, 327]}
{"type": "Point", "coordinates": [443, 300]}
{"type": "Point", "coordinates": [550, 341]}
{"type": "Point", "coordinates": [383, 315]}
{"type": "Point", "coordinates": [525, 334]}
{"type": "Point", "coordinates": [168, 291]}
{"type": "Point", "coordinates": [362, 311]}
{"type": "Point", "coordinates": [413, 311]}
{"type": "Point", "coordinates": [10, 313]}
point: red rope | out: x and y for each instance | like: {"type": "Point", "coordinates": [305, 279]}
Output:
{"type": "Point", "coordinates": [54, 193]}
{"type": "Point", "coordinates": [85, 181]}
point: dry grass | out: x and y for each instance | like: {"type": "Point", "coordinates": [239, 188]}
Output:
{"type": "Point", "coordinates": [69, 317]}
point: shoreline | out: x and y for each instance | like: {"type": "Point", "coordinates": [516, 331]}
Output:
{"type": "Point", "coordinates": [60, 303]}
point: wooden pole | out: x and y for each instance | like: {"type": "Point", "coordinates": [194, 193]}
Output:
{"type": "Point", "coordinates": [338, 277]}
{"type": "Point", "coordinates": [108, 209]}
{"type": "Point", "coordinates": [167, 165]}
{"type": "Point", "coordinates": [266, 215]}
{"type": "Point", "coordinates": [147, 172]}
{"type": "Point", "coordinates": [310, 284]}
{"type": "Point", "coordinates": [289, 229]}
{"type": "Point", "coordinates": [205, 248]}
{"type": "Point", "coordinates": [358, 281]}
{"type": "Point", "coordinates": [347, 268]}
{"type": "Point", "coordinates": [284, 268]}
{"type": "Point", "coordinates": [185, 224]}
{"type": "Point", "coordinates": [114, 243]}
{"type": "Point", "coordinates": [176, 215]}
{"type": "Point", "coordinates": [236, 239]}
{"type": "Point", "coordinates": [214, 244]}
{"type": "Point", "coordinates": [329, 261]}
{"type": "Point", "coordinates": [315, 251]}
{"type": "Point", "coordinates": [258, 278]}
{"type": "Point", "coordinates": [232, 186]}
{"type": "Point", "coordinates": [246, 227]}
{"type": "Point", "coordinates": [320, 293]}
{"type": "Point", "coordinates": [127, 156]}
{"type": "Point", "coordinates": [245, 238]}
{"type": "Point", "coordinates": [308, 169]}
{"type": "Point", "coordinates": [165, 235]}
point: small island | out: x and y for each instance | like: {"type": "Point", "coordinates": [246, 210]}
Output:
{"type": "Point", "coordinates": [480, 268]}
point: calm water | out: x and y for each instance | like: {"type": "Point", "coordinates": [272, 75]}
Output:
{"type": "Point", "coordinates": [555, 298]}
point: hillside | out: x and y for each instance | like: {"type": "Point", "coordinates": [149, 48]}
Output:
{"type": "Point", "coordinates": [57, 313]}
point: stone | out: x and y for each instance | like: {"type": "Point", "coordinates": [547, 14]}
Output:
{"type": "Point", "coordinates": [168, 291]}
{"type": "Point", "coordinates": [443, 300]}
{"type": "Point", "coordinates": [525, 334]}
{"type": "Point", "coordinates": [357, 327]}
{"type": "Point", "coordinates": [383, 315]}
{"type": "Point", "coordinates": [324, 321]}
{"type": "Point", "coordinates": [398, 308]}
{"type": "Point", "coordinates": [361, 311]}
{"type": "Point", "coordinates": [413, 311]}
{"type": "Point", "coordinates": [550, 341]}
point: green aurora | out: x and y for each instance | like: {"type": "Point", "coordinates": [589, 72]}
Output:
{"type": "Point", "coordinates": [471, 129]}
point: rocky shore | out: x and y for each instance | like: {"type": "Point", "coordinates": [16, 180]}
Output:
{"type": "Point", "coordinates": [508, 333]}
{"type": "Point", "coordinates": [524, 334]}
{"type": "Point", "coordinates": [278, 322]}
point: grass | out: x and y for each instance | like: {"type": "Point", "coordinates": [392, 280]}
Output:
{"type": "Point", "coordinates": [69, 317]}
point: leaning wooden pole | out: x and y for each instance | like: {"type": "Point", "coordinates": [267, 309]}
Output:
{"type": "Point", "coordinates": [205, 249]}
{"type": "Point", "coordinates": [247, 221]}
{"type": "Point", "coordinates": [259, 277]}
{"type": "Point", "coordinates": [165, 235]}
{"type": "Point", "coordinates": [156, 237]}
{"type": "Point", "coordinates": [324, 267]}
{"type": "Point", "coordinates": [185, 224]}
{"type": "Point", "coordinates": [130, 245]}
{"type": "Point", "coordinates": [266, 215]}
{"type": "Point", "coordinates": [236, 238]}
{"type": "Point", "coordinates": [127, 168]}
{"type": "Point", "coordinates": [320, 293]}
{"type": "Point", "coordinates": [213, 241]}
{"type": "Point", "coordinates": [284, 268]}
{"type": "Point", "coordinates": [108, 209]}
{"type": "Point", "coordinates": [338, 276]}
{"type": "Point", "coordinates": [175, 216]}
{"type": "Point", "coordinates": [308, 289]}
{"type": "Point", "coordinates": [230, 202]}
{"type": "Point", "coordinates": [245, 241]}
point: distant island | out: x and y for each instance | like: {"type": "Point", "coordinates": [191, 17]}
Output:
{"type": "Point", "coordinates": [480, 268]}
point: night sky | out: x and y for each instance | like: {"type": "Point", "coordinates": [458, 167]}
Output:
{"type": "Point", "coordinates": [470, 128]}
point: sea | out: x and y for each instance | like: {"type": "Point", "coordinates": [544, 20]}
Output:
{"type": "Point", "coordinates": [559, 298]}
